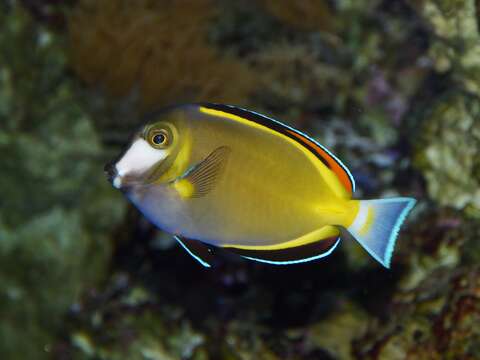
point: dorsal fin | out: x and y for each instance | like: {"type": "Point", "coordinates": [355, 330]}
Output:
{"type": "Point", "coordinates": [334, 163]}
{"type": "Point", "coordinates": [322, 153]}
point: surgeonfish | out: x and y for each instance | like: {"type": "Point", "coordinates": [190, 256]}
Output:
{"type": "Point", "coordinates": [220, 176]}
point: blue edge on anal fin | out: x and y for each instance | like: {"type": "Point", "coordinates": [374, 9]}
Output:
{"type": "Point", "coordinates": [296, 261]}
{"type": "Point", "coordinates": [192, 254]}
{"type": "Point", "coordinates": [195, 249]}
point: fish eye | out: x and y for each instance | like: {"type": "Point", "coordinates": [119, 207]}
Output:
{"type": "Point", "coordinates": [159, 139]}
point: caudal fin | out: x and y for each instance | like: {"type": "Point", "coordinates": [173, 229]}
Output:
{"type": "Point", "coordinates": [377, 223]}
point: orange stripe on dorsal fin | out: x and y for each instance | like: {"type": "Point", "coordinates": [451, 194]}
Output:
{"type": "Point", "coordinates": [333, 163]}
{"type": "Point", "coordinates": [322, 153]}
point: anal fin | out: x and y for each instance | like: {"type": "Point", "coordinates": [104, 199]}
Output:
{"type": "Point", "coordinates": [197, 249]}
{"type": "Point", "coordinates": [289, 256]}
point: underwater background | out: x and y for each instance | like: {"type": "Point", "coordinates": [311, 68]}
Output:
{"type": "Point", "coordinates": [390, 86]}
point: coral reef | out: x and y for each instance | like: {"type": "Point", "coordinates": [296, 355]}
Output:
{"type": "Point", "coordinates": [157, 52]}
{"type": "Point", "coordinates": [433, 311]}
{"type": "Point", "coordinates": [56, 210]}
{"type": "Point", "coordinates": [391, 86]}
{"type": "Point", "coordinates": [448, 152]}
{"type": "Point", "coordinates": [455, 24]}
{"type": "Point", "coordinates": [308, 15]}
{"type": "Point", "coordinates": [436, 320]}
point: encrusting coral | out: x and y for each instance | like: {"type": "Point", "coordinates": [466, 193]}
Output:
{"type": "Point", "coordinates": [436, 320]}
{"type": "Point", "coordinates": [448, 152]}
{"type": "Point", "coordinates": [455, 24]}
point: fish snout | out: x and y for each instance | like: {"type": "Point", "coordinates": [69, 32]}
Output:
{"type": "Point", "coordinates": [112, 174]}
{"type": "Point", "coordinates": [110, 171]}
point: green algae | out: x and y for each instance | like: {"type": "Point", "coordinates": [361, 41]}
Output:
{"type": "Point", "coordinates": [55, 209]}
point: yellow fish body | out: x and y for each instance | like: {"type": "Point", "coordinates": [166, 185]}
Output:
{"type": "Point", "coordinates": [218, 175]}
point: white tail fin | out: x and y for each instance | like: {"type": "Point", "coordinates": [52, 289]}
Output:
{"type": "Point", "coordinates": [377, 223]}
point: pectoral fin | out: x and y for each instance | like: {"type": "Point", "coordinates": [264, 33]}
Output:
{"type": "Point", "coordinates": [198, 250]}
{"type": "Point", "coordinates": [203, 177]}
{"type": "Point", "coordinates": [289, 256]}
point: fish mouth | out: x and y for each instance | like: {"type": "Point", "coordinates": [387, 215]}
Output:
{"type": "Point", "coordinates": [114, 178]}
{"type": "Point", "coordinates": [123, 182]}
{"type": "Point", "coordinates": [110, 171]}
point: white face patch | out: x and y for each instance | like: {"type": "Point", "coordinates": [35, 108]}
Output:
{"type": "Point", "coordinates": [139, 158]}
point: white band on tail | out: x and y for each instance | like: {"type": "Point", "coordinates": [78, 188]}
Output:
{"type": "Point", "coordinates": [360, 219]}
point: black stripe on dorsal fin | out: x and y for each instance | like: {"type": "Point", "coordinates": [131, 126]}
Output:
{"type": "Point", "coordinates": [321, 152]}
